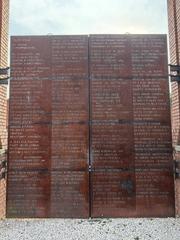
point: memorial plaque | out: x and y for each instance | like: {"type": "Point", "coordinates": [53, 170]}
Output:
{"type": "Point", "coordinates": [111, 98]}
{"type": "Point", "coordinates": [30, 147]}
{"type": "Point", "coordinates": [28, 194]}
{"type": "Point", "coordinates": [69, 194]}
{"type": "Point", "coordinates": [114, 193]}
{"type": "Point", "coordinates": [69, 147]}
{"type": "Point", "coordinates": [29, 128]}
{"type": "Point", "coordinates": [154, 192]}
{"type": "Point", "coordinates": [112, 146]}
{"type": "Point", "coordinates": [89, 127]}
{"type": "Point", "coordinates": [112, 143]}
{"type": "Point", "coordinates": [149, 56]}
{"type": "Point", "coordinates": [70, 130]}
{"type": "Point", "coordinates": [152, 127]}
{"type": "Point", "coordinates": [110, 56]}
{"type": "Point", "coordinates": [131, 129]}
{"type": "Point", "coordinates": [48, 130]}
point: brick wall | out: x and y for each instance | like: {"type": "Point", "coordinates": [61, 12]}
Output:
{"type": "Point", "coordinates": [4, 12]}
{"type": "Point", "coordinates": [174, 38]}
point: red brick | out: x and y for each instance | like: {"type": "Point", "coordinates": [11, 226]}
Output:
{"type": "Point", "coordinates": [174, 38]}
{"type": "Point", "coordinates": [4, 12]}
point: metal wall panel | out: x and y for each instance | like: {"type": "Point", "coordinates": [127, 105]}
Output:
{"type": "Point", "coordinates": [28, 192]}
{"type": "Point", "coordinates": [131, 131]}
{"type": "Point", "coordinates": [70, 127]}
{"type": "Point", "coordinates": [90, 131]}
{"type": "Point", "coordinates": [48, 133]}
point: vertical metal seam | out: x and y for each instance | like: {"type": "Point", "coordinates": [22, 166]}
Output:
{"type": "Point", "coordinates": [89, 127]}
{"type": "Point", "coordinates": [133, 114]}
{"type": "Point", "coordinates": [50, 130]}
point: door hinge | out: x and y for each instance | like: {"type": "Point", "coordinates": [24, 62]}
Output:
{"type": "Point", "coordinates": [3, 164]}
{"type": "Point", "coordinates": [174, 73]}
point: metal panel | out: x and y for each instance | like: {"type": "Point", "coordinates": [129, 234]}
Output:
{"type": "Point", "coordinates": [131, 131]}
{"type": "Point", "coordinates": [113, 193]}
{"type": "Point", "coordinates": [70, 146]}
{"type": "Point", "coordinates": [69, 194]}
{"type": "Point", "coordinates": [112, 146]}
{"type": "Point", "coordinates": [28, 193]}
{"type": "Point", "coordinates": [154, 192]}
{"type": "Point", "coordinates": [90, 131]}
{"type": "Point", "coordinates": [48, 133]}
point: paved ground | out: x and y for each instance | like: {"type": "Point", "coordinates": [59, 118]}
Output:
{"type": "Point", "coordinates": [105, 229]}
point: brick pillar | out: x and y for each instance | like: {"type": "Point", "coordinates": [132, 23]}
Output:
{"type": "Point", "coordinates": [4, 12]}
{"type": "Point", "coordinates": [174, 40]}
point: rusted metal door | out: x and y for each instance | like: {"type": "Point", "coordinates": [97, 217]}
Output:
{"type": "Point", "coordinates": [90, 131]}
{"type": "Point", "coordinates": [112, 137]}
{"type": "Point", "coordinates": [70, 127]}
{"type": "Point", "coordinates": [131, 152]}
{"type": "Point", "coordinates": [48, 131]}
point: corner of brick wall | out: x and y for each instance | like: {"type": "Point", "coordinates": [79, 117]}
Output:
{"type": "Point", "coordinates": [177, 189]}
{"type": "Point", "coordinates": [3, 147]}
{"type": "Point", "coordinates": [2, 198]}
{"type": "Point", "coordinates": [4, 19]}
{"type": "Point", "coordinates": [174, 43]}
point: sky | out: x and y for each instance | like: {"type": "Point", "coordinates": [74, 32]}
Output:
{"type": "Point", "coordinates": [42, 17]}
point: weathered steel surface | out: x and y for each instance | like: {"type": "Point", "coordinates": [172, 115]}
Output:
{"type": "Point", "coordinates": [69, 155]}
{"type": "Point", "coordinates": [90, 127]}
{"type": "Point", "coordinates": [28, 193]}
{"type": "Point", "coordinates": [131, 136]}
{"type": "Point", "coordinates": [48, 134]}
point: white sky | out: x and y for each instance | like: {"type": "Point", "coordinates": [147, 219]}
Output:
{"type": "Point", "coordinates": [87, 16]}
